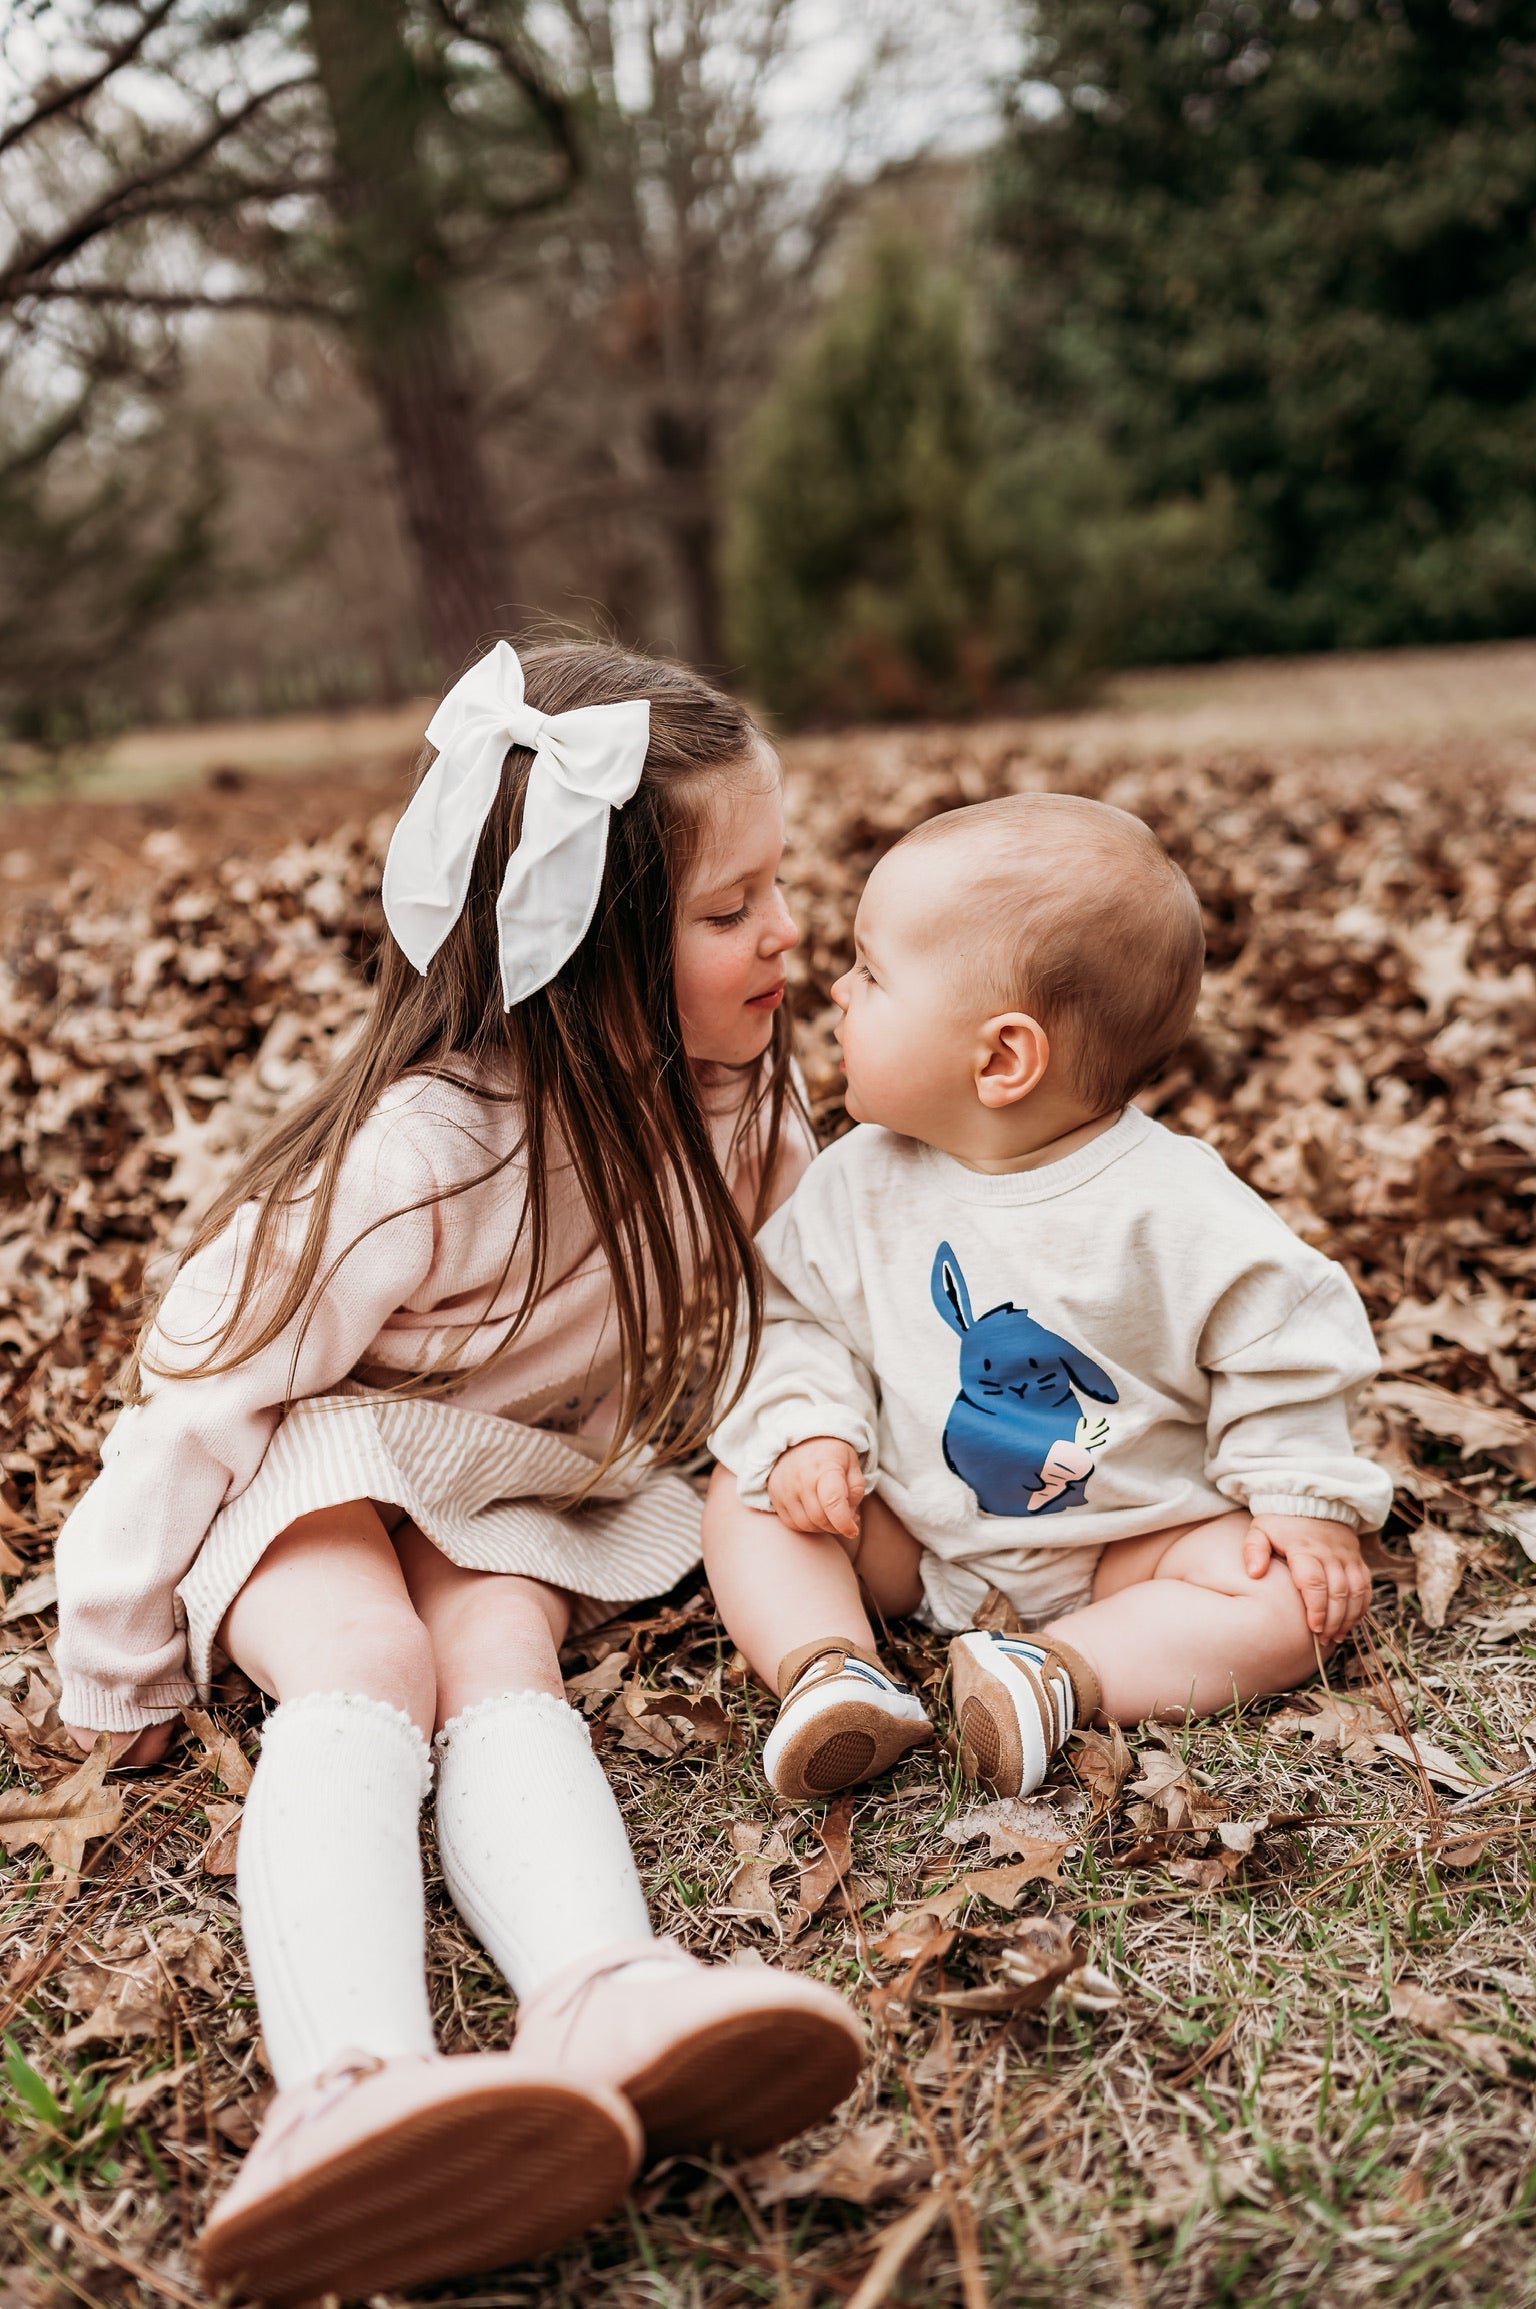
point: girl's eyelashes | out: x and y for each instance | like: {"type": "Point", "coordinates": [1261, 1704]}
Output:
{"type": "Point", "coordinates": [727, 921]}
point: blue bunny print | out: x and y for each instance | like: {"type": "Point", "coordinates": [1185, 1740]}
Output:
{"type": "Point", "coordinates": [1016, 1432]}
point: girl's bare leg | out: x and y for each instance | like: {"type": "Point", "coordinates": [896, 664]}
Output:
{"type": "Point", "coordinates": [490, 1632]}
{"type": "Point", "coordinates": [327, 1610]}
{"type": "Point", "coordinates": [777, 1588]}
{"type": "Point", "coordinates": [1178, 1627]}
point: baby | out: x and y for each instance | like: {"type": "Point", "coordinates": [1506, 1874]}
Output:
{"type": "Point", "coordinates": [1023, 1341]}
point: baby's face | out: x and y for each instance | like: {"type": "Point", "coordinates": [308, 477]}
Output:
{"type": "Point", "coordinates": [908, 1034]}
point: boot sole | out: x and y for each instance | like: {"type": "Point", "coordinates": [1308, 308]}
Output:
{"type": "Point", "coordinates": [845, 1745]}
{"type": "Point", "coordinates": [454, 2189]}
{"type": "Point", "coordinates": [991, 1746]}
{"type": "Point", "coordinates": [747, 2082]}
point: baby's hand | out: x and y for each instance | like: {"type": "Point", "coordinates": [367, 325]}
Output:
{"type": "Point", "coordinates": [1325, 1562]}
{"type": "Point", "coordinates": [146, 1747]}
{"type": "Point", "coordinates": [819, 1486]}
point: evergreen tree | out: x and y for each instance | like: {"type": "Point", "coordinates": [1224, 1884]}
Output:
{"type": "Point", "coordinates": [860, 574]}
{"type": "Point", "coordinates": [1292, 249]}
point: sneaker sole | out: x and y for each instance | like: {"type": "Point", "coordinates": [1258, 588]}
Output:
{"type": "Point", "coordinates": [844, 1745]}
{"type": "Point", "coordinates": [455, 2189]}
{"type": "Point", "coordinates": [991, 1748]}
{"type": "Point", "coordinates": [747, 2082]}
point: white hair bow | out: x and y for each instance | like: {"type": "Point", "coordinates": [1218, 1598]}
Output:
{"type": "Point", "coordinates": [585, 764]}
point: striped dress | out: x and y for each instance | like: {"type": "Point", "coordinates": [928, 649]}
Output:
{"type": "Point", "coordinates": [201, 1476]}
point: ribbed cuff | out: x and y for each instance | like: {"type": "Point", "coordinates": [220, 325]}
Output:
{"type": "Point", "coordinates": [1295, 1503]}
{"type": "Point", "coordinates": [769, 1447]}
{"type": "Point", "coordinates": [101, 1708]}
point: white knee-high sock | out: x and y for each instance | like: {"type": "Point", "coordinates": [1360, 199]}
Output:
{"type": "Point", "coordinates": [330, 1883]}
{"type": "Point", "coordinates": [532, 1845]}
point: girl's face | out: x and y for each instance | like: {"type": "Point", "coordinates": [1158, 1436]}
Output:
{"type": "Point", "coordinates": [733, 927]}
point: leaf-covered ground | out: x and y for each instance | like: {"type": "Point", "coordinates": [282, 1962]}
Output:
{"type": "Point", "coordinates": [1243, 2013]}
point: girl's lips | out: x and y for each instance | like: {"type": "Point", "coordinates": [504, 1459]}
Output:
{"type": "Point", "coordinates": [770, 1000]}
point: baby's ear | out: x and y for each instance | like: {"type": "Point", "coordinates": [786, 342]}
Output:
{"type": "Point", "coordinates": [1085, 1374]}
{"type": "Point", "coordinates": [950, 1295]}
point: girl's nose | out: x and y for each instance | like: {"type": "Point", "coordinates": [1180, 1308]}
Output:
{"type": "Point", "coordinates": [781, 930]}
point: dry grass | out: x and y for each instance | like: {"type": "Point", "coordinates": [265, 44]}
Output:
{"type": "Point", "coordinates": [1252, 2122]}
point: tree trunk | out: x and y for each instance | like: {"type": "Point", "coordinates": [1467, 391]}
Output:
{"type": "Point", "coordinates": [407, 349]}
{"type": "Point", "coordinates": [682, 444]}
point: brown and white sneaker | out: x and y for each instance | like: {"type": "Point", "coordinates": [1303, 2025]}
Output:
{"type": "Point", "coordinates": [386, 2173]}
{"type": "Point", "coordinates": [1017, 1699]}
{"type": "Point", "coordinates": [842, 1718]}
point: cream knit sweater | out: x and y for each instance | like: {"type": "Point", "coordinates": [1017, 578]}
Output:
{"type": "Point", "coordinates": [421, 1284]}
{"type": "Point", "coordinates": [1108, 1345]}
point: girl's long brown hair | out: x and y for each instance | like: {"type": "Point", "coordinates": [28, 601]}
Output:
{"type": "Point", "coordinates": [596, 1061]}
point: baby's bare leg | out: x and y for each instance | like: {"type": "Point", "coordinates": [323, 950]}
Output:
{"type": "Point", "coordinates": [1178, 1627]}
{"type": "Point", "coordinates": [777, 1589]}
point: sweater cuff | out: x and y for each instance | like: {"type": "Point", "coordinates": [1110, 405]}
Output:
{"type": "Point", "coordinates": [98, 1707]}
{"type": "Point", "coordinates": [769, 1444]}
{"type": "Point", "coordinates": [1297, 1503]}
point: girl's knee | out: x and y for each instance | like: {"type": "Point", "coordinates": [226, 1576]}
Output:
{"type": "Point", "coordinates": [380, 1647]}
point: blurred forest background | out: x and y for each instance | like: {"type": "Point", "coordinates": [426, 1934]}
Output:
{"type": "Point", "coordinates": [900, 360]}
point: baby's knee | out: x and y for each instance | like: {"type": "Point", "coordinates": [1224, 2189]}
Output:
{"type": "Point", "coordinates": [1283, 1613]}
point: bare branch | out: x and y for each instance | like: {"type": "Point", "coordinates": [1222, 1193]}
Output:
{"type": "Point", "coordinates": [76, 91]}
{"type": "Point", "coordinates": [106, 294]}
{"type": "Point", "coordinates": [125, 202]}
{"type": "Point", "coordinates": [555, 112]}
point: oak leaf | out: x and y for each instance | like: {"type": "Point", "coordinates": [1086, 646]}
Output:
{"type": "Point", "coordinates": [63, 1819]}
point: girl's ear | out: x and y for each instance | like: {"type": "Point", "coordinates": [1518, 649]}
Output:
{"type": "Point", "coordinates": [1015, 1052]}
{"type": "Point", "coordinates": [950, 1295]}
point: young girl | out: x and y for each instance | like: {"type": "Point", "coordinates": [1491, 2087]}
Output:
{"type": "Point", "coordinates": [396, 1435]}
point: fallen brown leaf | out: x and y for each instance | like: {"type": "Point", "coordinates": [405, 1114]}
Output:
{"type": "Point", "coordinates": [824, 1868]}
{"type": "Point", "coordinates": [858, 2170]}
{"type": "Point", "coordinates": [1435, 1762]}
{"type": "Point", "coordinates": [895, 1995]}
{"type": "Point", "coordinates": [62, 1820]}
{"type": "Point", "coordinates": [1004, 1885]}
{"type": "Point", "coordinates": [35, 1595]}
{"type": "Point", "coordinates": [1462, 1419]}
{"type": "Point", "coordinates": [703, 1714]}
{"type": "Point", "coordinates": [221, 1849]}
{"type": "Point", "coordinates": [751, 1891]}
{"type": "Point", "coordinates": [1354, 1727]}
{"type": "Point", "coordinates": [1102, 1761]}
{"type": "Point", "coordinates": [1439, 1561]}
{"type": "Point", "coordinates": [222, 1752]}
{"type": "Point", "coordinates": [1016, 1827]}
{"type": "Point", "coordinates": [599, 1683]}
{"type": "Point", "coordinates": [130, 1988]}
{"type": "Point", "coordinates": [1034, 1966]}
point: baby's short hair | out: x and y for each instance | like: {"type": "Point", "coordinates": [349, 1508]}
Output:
{"type": "Point", "coordinates": [1073, 910]}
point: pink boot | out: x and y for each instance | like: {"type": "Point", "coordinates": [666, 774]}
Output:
{"type": "Point", "coordinates": [729, 2056]}
{"type": "Point", "coordinates": [386, 2173]}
